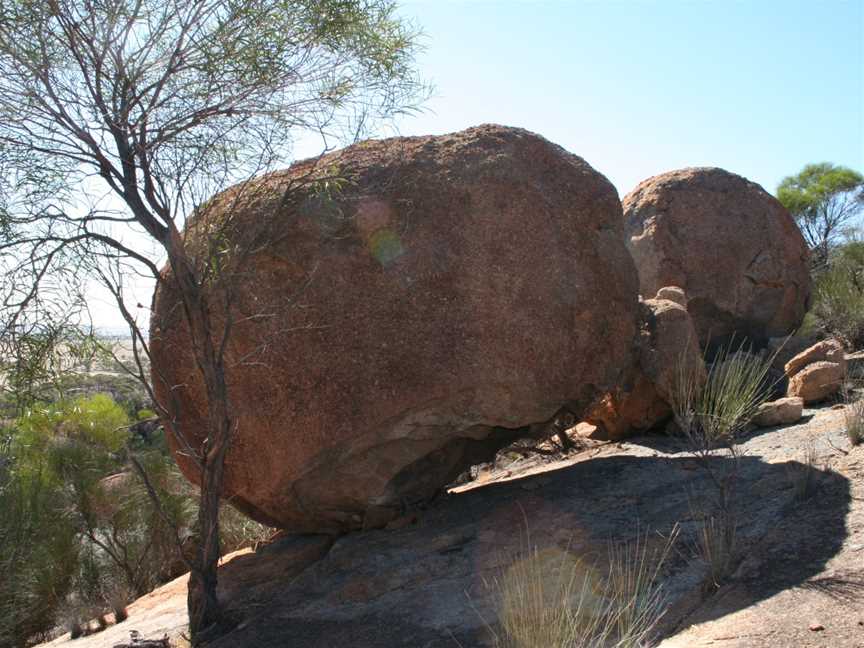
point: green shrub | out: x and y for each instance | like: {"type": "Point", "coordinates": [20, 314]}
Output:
{"type": "Point", "coordinates": [838, 295]}
{"type": "Point", "coordinates": [76, 526]}
{"type": "Point", "coordinates": [838, 306]}
{"type": "Point", "coordinates": [38, 548]}
{"type": "Point", "coordinates": [145, 414]}
{"type": "Point", "coordinates": [78, 530]}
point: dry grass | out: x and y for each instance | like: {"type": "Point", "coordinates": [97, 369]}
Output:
{"type": "Point", "coordinates": [854, 419]}
{"type": "Point", "coordinates": [551, 599]}
{"type": "Point", "coordinates": [716, 545]}
{"type": "Point", "coordinates": [802, 475]}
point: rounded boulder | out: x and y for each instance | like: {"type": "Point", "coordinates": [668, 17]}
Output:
{"type": "Point", "coordinates": [400, 310]}
{"type": "Point", "coordinates": [729, 244]}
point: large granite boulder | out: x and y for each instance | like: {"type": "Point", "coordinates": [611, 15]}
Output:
{"type": "Point", "coordinates": [408, 306]}
{"type": "Point", "coordinates": [729, 244]}
{"type": "Point", "coordinates": [668, 353]}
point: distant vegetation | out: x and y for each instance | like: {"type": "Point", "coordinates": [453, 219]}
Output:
{"type": "Point", "coordinates": [79, 535]}
{"type": "Point", "coordinates": [838, 295]}
{"type": "Point", "coordinates": [826, 201]}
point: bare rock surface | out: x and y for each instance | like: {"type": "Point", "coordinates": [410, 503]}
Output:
{"type": "Point", "coordinates": [772, 602]}
{"type": "Point", "coordinates": [667, 345]}
{"type": "Point", "coordinates": [729, 244]}
{"type": "Point", "coordinates": [817, 381]}
{"type": "Point", "coordinates": [425, 582]}
{"type": "Point", "coordinates": [403, 321]}
{"type": "Point", "coordinates": [782, 411]}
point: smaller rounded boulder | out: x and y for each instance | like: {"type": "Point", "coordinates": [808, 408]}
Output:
{"type": "Point", "coordinates": [729, 244]}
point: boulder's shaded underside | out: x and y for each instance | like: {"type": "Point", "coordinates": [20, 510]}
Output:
{"type": "Point", "coordinates": [428, 581]}
{"type": "Point", "coordinates": [431, 582]}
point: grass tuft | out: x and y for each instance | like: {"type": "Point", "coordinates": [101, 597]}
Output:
{"type": "Point", "coordinates": [716, 546]}
{"type": "Point", "coordinates": [551, 599]}
{"type": "Point", "coordinates": [711, 416]}
{"type": "Point", "coordinates": [854, 418]}
{"type": "Point", "coordinates": [802, 475]}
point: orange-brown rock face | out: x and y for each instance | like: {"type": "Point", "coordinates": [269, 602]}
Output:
{"type": "Point", "coordinates": [395, 326]}
{"type": "Point", "coordinates": [733, 248]}
{"type": "Point", "coordinates": [668, 353]}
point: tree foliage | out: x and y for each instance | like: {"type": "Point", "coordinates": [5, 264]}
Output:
{"type": "Point", "coordinates": [838, 304]}
{"type": "Point", "coordinates": [78, 531]}
{"type": "Point", "coordinates": [120, 118]}
{"type": "Point", "coordinates": [823, 198]}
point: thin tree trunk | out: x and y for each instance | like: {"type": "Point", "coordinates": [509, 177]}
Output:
{"type": "Point", "coordinates": [202, 600]}
{"type": "Point", "coordinates": [204, 608]}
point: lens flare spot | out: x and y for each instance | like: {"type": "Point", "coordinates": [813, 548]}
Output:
{"type": "Point", "coordinates": [386, 246]}
{"type": "Point", "coordinates": [547, 595]}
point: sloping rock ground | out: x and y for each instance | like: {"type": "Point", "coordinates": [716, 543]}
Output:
{"type": "Point", "coordinates": [427, 584]}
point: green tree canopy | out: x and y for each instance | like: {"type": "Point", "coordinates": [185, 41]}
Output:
{"type": "Point", "coordinates": [823, 198]}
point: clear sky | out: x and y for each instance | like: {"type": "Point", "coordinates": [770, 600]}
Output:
{"type": "Point", "coordinates": [637, 88]}
{"type": "Point", "coordinates": [760, 87]}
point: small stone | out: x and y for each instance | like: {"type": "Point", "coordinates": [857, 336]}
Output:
{"type": "Point", "coordinates": [779, 412]}
{"type": "Point", "coordinates": [830, 350]}
{"type": "Point", "coordinates": [817, 381]}
{"type": "Point", "coordinates": [816, 627]}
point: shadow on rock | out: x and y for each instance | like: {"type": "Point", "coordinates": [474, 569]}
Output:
{"type": "Point", "coordinates": [428, 584]}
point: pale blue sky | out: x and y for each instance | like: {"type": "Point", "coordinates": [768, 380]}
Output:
{"type": "Point", "coordinates": [637, 88]}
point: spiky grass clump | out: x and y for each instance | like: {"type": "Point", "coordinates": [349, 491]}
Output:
{"type": "Point", "coordinates": [550, 599]}
{"type": "Point", "coordinates": [711, 416]}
